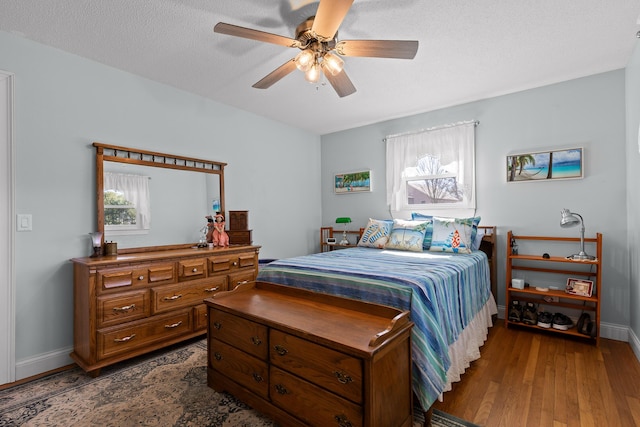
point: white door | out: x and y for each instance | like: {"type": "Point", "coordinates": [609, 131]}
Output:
{"type": "Point", "coordinates": [7, 235]}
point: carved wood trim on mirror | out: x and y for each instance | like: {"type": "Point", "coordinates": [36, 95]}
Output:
{"type": "Point", "coordinates": [133, 156]}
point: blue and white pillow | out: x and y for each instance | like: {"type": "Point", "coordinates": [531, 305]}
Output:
{"type": "Point", "coordinates": [407, 235]}
{"type": "Point", "coordinates": [429, 232]}
{"type": "Point", "coordinates": [454, 234]}
{"type": "Point", "coordinates": [376, 234]}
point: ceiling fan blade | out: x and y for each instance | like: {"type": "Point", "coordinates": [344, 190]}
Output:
{"type": "Point", "coordinates": [400, 49]}
{"type": "Point", "coordinates": [341, 83]}
{"type": "Point", "coordinates": [276, 75]}
{"type": "Point", "coordinates": [329, 17]}
{"type": "Point", "coordinates": [248, 33]}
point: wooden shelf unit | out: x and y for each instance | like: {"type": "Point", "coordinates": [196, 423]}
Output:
{"type": "Point", "coordinates": [327, 232]}
{"type": "Point", "coordinates": [559, 265]}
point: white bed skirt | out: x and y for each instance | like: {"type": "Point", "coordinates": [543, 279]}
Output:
{"type": "Point", "coordinates": [467, 348]}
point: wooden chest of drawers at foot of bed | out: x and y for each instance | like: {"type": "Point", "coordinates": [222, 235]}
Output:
{"type": "Point", "coordinates": [129, 304]}
{"type": "Point", "coordinates": [305, 358]}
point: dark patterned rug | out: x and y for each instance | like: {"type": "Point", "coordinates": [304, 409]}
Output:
{"type": "Point", "coordinates": [167, 388]}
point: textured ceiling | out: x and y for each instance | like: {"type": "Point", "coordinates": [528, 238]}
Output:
{"type": "Point", "coordinates": [469, 50]}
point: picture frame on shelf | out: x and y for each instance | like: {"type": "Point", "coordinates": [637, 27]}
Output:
{"type": "Point", "coordinates": [580, 287]}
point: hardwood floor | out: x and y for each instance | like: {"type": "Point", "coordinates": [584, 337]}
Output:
{"type": "Point", "coordinates": [526, 378]}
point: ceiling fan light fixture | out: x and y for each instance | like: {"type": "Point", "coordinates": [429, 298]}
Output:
{"type": "Point", "coordinates": [312, 75]}
{"type": "Point", "coordinates": [332, 63]}
{"type": "Point", "coordinates": [305, 60]}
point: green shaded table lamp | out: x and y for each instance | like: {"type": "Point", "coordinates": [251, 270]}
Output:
{"type": "Point", "coordinates": [344, 220]}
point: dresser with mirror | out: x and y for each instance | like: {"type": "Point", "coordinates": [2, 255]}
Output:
{"type": "Point", "coordinates": [150, 293]}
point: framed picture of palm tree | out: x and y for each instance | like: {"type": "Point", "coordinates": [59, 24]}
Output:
{"type": "Point", "coordinates": [553, 165]}
{"type": "Point", "coordinates": [353, 182]}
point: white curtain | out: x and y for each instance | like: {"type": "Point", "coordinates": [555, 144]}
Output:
{"type": "Point", "coordinates": [454, 147]}
{"type": "Point", "coordinates": [135, 189]}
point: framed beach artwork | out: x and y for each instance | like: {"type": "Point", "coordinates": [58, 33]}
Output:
{"type": "Point", "coordinates": [546, 165]}
{"type": "Point", "coordinates": [353, 182]}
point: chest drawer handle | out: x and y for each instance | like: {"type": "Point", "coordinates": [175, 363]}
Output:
{"type": "Point", "coordinates": [173, 298]}
{"type": "Point", "coordinates": [125, 308]}
{"type": "Point", "coordinates": [281, 389]}
{"type": "Point", "coordinates": [217, 325]}
{"type": "Point", "coordinates": [235, 263]}
{"type": "Point", "coordinates": [343, 421]}
{"type": "Point", "coordinates": [125, 339]}
{"type": "Point", "coordinates": [215, 288]}
{"type": "Point", "coordinates": [173, 325]}
{"type": "Point", "coordinates": [280, 349]}
{"type": "Point", "coordinates": [342, 377]}
{"type": "Point", "coordinates": [256, 340]}
{"type": "Point", "coordinates": [258, 378]}
{"type": "Point", "coordinates": [194, 270]}
{"type": "Point", "coordinates": [217, 356]}
{"type": "Point", "coordinates": [140, 277]}
{"type": "Point", "coordinates": [242, 283]}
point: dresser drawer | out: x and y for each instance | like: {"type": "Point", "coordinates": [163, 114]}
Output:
{"type": "Point", "coordinates": [246, 370]}
{"type": "Point", "coordinates": [244, 334]}
{"type": "Point", "coordinates": [135, 276]}
{"type": "Point", "coordinates": [123, 307]}
{"type": "Point", "coordinates": [171, 297]}
{"type": "Point", "coordinates": [323, 366]}
{"type": "Point", "coordinates": [311, 403]}
{"type": "Point", "coordinates": [192, 269]}
{"type": "Point", "coordinates": [117, 340]}
{"type": "Point", "coordinates": [199, 317]}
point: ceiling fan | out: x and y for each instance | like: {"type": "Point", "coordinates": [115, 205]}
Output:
{"type": "Point", "coordinates": [320, 50]}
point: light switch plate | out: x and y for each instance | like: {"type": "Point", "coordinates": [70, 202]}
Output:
{"type": "Point", "coordinates": [24, 222]}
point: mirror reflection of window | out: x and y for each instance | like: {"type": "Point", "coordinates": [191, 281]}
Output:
{"type": "Point", "coordinates": [127, 204]}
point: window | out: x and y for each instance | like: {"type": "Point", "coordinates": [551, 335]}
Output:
{"type": "Point", "coordinates": [432, 170]}
{"type": "Point", "coordinates": [126, 203]}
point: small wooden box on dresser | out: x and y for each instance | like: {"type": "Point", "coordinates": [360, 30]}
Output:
{"type": "Point", "coordinates": [129, 304]}
{"type": "Point", "coordinates": [306, 358]}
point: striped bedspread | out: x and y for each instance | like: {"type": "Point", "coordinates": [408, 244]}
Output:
{"type": "Point", "coordinates": [442, 291]}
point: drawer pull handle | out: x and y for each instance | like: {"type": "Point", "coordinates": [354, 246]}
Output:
{"type": "Point", "coordinates": [140, 277]}
{"type": "Point", "coordinates": [125, 339]}
{"type": "Point", "coordinates": [215, 288]}
{"type": "Point", "coordinates": [173, 325]}
{"type": "Point", "coordinates": [235, 263]}
{"type": "Point", "coordinates": [217, 325]}
{"type": "Point", "coordinates": [125, 308]}
{"type": "Point", "coordinates": [258, 378]}
{"type": "Point", "coordinates": [343, 421]}
{"type": "Point", "coordinates": [194, 270]}
{"type": "Point", "coordinates": [217, 356]}
{"type": "Point", "coordinates": [173, 298]}
{"type": "Point", "coordinates": [256, 340]}
{"type": "Point", "coordinates": [342, 377]}
{"type": "Point", "coordinates": [281, 389]}
{"type": "Point", "coordinates": [280, 349]}
{"type": "Point", "coordinates": [242, 283]}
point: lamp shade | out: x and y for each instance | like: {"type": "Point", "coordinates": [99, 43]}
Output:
{"type": "Point", "coordinates": [343, 220]}
{"type": "Point", "coordinates": [569, 219]}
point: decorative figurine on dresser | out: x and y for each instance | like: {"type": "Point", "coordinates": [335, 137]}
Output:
{"type": "Point", "coordinates": [142, 299]}
{"type": "Point", "coordinates": [217, 234]}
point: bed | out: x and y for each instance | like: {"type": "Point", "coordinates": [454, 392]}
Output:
{"type": "Point", "coordinates": [449, 296]}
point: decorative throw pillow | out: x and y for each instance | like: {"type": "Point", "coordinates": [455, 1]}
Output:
{"type": "Point", "coordinates": [429, 233]}
{"type": "Point", "coordinates": [376, 234]}
{"type": "Point", "coordinates": [407, 235]}
{"type": "Point", "coordinates": [454, 234]}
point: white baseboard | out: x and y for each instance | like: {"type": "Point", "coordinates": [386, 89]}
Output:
{"type": "Point", "coordinates": [634, 342]}
{"type": "Point", "coordinates": [43, 363]}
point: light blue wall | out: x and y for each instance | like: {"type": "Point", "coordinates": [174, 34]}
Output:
{"type": "Point", "coordinates": [587, 112]}
{"type": "Point", "coordinates": [633, 194]}
{"type": "Point", "coordinates": [63, 103]}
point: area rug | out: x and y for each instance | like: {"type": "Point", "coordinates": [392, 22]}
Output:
{"type": "Point", "coordinates": [167, 388]}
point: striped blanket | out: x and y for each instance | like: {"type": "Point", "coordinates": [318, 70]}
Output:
{"type": "Point", "coordinates": [442, 291]}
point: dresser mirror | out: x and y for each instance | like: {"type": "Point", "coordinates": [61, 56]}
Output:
{"type": "Point", "coordinates": [181, 192]}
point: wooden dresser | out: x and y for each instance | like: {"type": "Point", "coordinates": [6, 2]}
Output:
{"type": "Point", "coordinates": [129, 304]}
{"type": "Point", "coordinates": [305, 358]}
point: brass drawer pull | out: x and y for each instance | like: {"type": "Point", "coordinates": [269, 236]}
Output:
{"type": "Point", "coordinates": [194, 270]}
{"type": "Point", "coordinates": [242, 283]}
{"type": "Point", "coordinates": [281, 389]}
{"type": "Point", "coordinates": [280, 349]}
{"type": "Point", "coordinates": [342, 377]}
{"type": "Point", "coordinates": [125, 308]}
{"type": "Point", "coordinates": [212, 289]}
{"type": "Point", "coordinates": [217, 325]}
{"type": "Point", "coordinates": [343, 421]}
{"type": "Point", "coordinates": [217, 356]}
{"type": "Point", "coordinates": [256, 340]}
{"type": "Point", "coordinates": [258, 378]}
{"type": "Point", "coordinates": [173, 325]}
{"type": "Point", "coordinates": [235, 263]}
{"type": "Point", "coordinates": [140, 277]}
{"type": "Point", "coordinates": [173, 298]}
{"type": "Point", "coordinates": [125, 339]}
